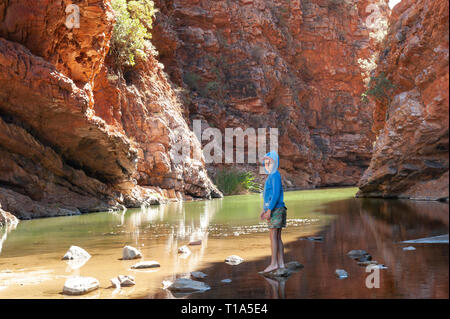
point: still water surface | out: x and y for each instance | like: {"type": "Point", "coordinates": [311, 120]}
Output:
{"type": "Point", "coordinates": [31, 265]}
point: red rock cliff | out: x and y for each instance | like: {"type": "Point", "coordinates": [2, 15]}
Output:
{"type": "Point", "coordinates": [57, 156]}
{"type": "Point", "coordinates": [294, 65]}
{"type": "Point", "coordinates": [410, 158]}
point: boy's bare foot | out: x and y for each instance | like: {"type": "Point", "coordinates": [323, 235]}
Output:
{"type": "Point", "coordinates": [270, 268]}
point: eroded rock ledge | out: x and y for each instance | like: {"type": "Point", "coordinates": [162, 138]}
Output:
{"type": "Point", "coordinates": [410, 158]}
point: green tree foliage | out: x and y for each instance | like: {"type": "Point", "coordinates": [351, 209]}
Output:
{"type": "Point", "coordinates": [131, 34]}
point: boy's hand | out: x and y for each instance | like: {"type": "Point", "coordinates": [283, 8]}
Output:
{"type": "Point", "coordinates": [266, 215]}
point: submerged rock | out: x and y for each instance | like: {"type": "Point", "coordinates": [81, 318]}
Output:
{"type": "Point", "coordinates": [188, 285]}
{"type": "Point", "coordinates": [409, 248]}
{"type": "Point", "coordinates": [233, 260]}
{"type": "Point", "coordinates": [359, 254]}
{"type": "Point", "coordinates": [76, 252]}
{"type": "Point", "coordinates": [341, 274]}
{"type": "Point", "coordinates": [130, 253]}
{"type": "Point", "coordinates": [80, 285]}
{"type": "Point", "coordinates": [226, 281]}
{"type": "Point", "coordinates": [294, 265]}
{"type": "Point", "coordinates": [367, 262]}
{"type": "Point", "coordinates": [198, 274]}
{"type": "Point", "coordinates": [442, 239]}
{"type": "Point", "coordinates": [146, 264]}
{"type": "Point", "coordinates": [184, 250]}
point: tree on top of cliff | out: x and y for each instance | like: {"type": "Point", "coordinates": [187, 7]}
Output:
{"type": "Point", "coordinates": [131, 34]}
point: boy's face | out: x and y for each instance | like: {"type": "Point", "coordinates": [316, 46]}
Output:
{"type": "Point", "coordinates": [268, 163]}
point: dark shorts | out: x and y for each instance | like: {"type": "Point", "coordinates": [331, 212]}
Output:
{"type": "Point", "coordinates": [277, 218]}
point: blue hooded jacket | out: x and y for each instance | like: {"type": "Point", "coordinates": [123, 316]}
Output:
{"type": "Point", "coordinates": [273, 190]}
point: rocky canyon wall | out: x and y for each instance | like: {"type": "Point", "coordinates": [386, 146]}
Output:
{"type": "Point", "coordinates": [295, 65]}
{"type": "Point", "coordinates": [410, 158]}
{"type": "Point", "coordinates": [57, 155]}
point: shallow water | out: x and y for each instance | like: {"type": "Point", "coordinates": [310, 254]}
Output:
{"type": "Point", "coordinates": [31, 265]}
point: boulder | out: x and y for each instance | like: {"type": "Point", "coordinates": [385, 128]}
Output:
{"type": "Point", "coordinates": [130, 253]}
{"type": "Point", "coordinates": [233, 260]}
{"type": "Point", "coordinates": [146, 264]}
{"type": "Point", "coordinates": [198, 274]}
{"type": "Point", "coordinates": [188, 285]}
{"type": "Point", "coordinates": [80, 285]}
{"type": "Point", "coordinates": [341, 273]}
{"type": "Point", "coordinates": [126, 280]}
{"type": "Point", "coordinates": [76, 252]}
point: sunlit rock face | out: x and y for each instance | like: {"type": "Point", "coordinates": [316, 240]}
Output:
{"type": "Point", "coordinates": [410, 158]}
{"type": "Point", "coordinates": [57, 156]}
{"type": "Point", "coordinates": [299, 66]}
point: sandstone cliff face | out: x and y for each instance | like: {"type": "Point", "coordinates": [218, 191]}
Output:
{"type": "Point", "coordinates": [410, 158]}
{"type": "Point", "coordinates": [294, 65]}
{"type": "Point", "coordinates": [57, 156]}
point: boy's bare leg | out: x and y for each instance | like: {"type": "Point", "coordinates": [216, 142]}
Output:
{"type": "Point", "coordinates": [274, 245]}
{"type": "Point", "coordinates": [280, 255]}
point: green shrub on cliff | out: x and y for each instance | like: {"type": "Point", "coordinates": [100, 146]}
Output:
{"type": "Point", "coordinates": [131, 35]}
{"type": "Point", "coordinates": [378, 87]}
{"type": "Point", "coordinates": [231, 181]}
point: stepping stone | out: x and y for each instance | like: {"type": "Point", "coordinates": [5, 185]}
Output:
{"type": "Point", "coordinates": [80, 285]}
{"type": "Point", "coordinates": [198, 274]}
{"type": "Point", "coordinates": [188, 285]}
{"type": "Point", "coordinates": [146, 264]}
{"type": "Point", "coordinates": [367, 263]}
{"type": "Point", "coordinates": [280, 272]}
{"type": "Point", "coordinates": [130, 253]}
{"type": "Point", "coordinates": [341, 274]}
{"type": "Point", "coordinates": [126, 281]}
{"type": "Point", "coordinates": [314, 238]}
{"type": "Point", "coordinates": [442, 239]}
{"type": "Point", "coordinates": [294, 265]}
{"type": "Point", "coordinates": [360, 255]}
{"type": "Point", "coordinates": [409, 248]}
{"type": "Point", "coordinates": [76, 252]}
{"type": "Point", "coordinates": [233, 260]}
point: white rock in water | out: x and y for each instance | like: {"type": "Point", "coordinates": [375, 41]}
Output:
{"type": "Point", "coordinates": [166, 284]}
{"type": "Point", "coordinates": [146, 264]}
{"type": "Point", "coordinates": [409, 248]}
{"type": "Point", "coordinates": [233, 260]}
{"type": "Point", "coordinates": [130, 253]}
{"type": "Point", "coordinates": [126, 280]}
{"type": "Point", "coordinates": [184, 250]}
{"type": "Point", "coordinates": [115, 282]}
{"type": "Point", "coordinates": [226, 281]}
{"type": "Point", "coordinates": [80, 285]}
{"type": "Point", "coordinates": [198, 274]}
{"type": "Point", "coordinates": [188, 285]}
{"type": "Point", "coordinates": [76, 252]}
{"type": "Point", "coordinates": [341, 273]}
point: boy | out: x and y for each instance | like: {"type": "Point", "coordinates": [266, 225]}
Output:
{"type": "Point", "coordinates": [274, 210]}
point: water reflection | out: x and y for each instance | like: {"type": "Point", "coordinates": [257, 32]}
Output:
{"type": "Point", "coordinates": [377, 226]}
